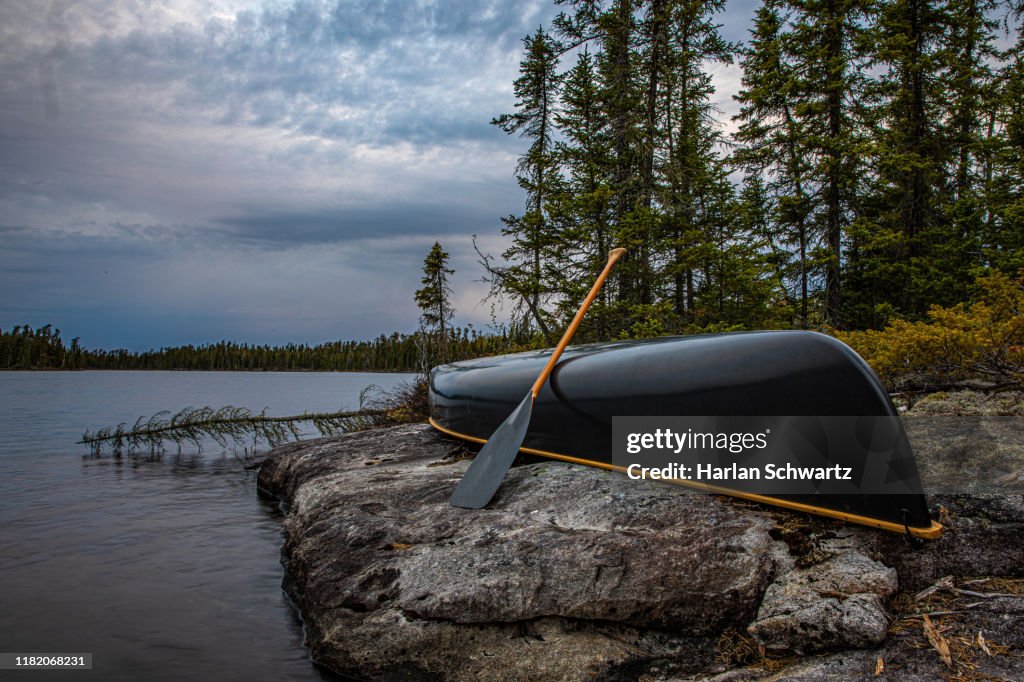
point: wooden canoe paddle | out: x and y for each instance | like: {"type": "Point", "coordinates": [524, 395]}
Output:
{"type": "Point", "coordinates": [488, 469]}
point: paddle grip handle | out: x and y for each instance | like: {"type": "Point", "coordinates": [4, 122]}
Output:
{"type": "Point", "coordinates": [613, 257]}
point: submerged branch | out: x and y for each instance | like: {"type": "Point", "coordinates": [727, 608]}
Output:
{"type": "Point", "coordinates": [238, 424]}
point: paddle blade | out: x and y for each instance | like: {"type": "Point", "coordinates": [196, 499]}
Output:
{"type": "Point", "coordinates": [485, 474]}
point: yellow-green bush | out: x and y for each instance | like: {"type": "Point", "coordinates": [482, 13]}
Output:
{"type": "Point", "coordinates": [982, 340]}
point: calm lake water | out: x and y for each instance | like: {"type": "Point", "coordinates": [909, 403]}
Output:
{"type": "Point", "coordinates": [163, 568]}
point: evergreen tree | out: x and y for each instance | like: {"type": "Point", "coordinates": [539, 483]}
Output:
{"type": "Point", "coordinates": [613, 30]}
{"type": "Point", "coordinates": [1003, 236]}
{"type": "Point", "coordinates": [969, 54]}
{"type": "Point", "coordinates": [972, 97]}
{"type": "Point", "coordinates": [773, 155]}
{"type": "Point", "coordinates": [694, 174]}
{"type": "Point", "coordinates": [533, 237]}
{"type": "Point", "coordinates": [654, 60]}
{"type": "Point", "coordinates": [826, 46]}
{"type": "Point", "coordinates": [583, 208]}
{"type": "Point", "coordinates": [906, 237]}
{"type": "Point", "coordinates": [801, 125]}
{"type": "Point", "coordinates": [868, 191]}
{"type": "Point", "coordinates": [765, 263]}
{"type": "Point", "coordinates": [434, 301]}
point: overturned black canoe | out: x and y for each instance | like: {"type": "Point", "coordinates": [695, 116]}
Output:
{"type": "Point", "coordinates": [753, 373]}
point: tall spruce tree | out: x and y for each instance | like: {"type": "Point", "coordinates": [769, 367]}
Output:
{"type": "Point", "coordinates": [801, 111]}
{"type": "Point", "coordinates": [772, 153]}
{"type": "Point", "coordinates": [1003, 237]}
{"type": "Point", "coordinates": [693, 170]}
{"type": "Point", "coordinates": [763, 264]}
{"type": "Point", "coordinates": [972, 96]}
{"type": "Point", "coordinates": [434, 301]}
{"type": "Point", "coordinates": [826, 47]}
{"type": "Point", "coordinates": [878, 144]}
{"type": "Point", "coordinates": [906, 236]}
{"type": "Point", "coordinates": [970, 54]}
{"type": "Point", "coordinates": [525, 276]}
{"type": "Point", "coordinates": [621, 99]}
{"type": "Point", "coordinates": [627, 37]}
{"type": "Point", "coordinates": [583, 208]}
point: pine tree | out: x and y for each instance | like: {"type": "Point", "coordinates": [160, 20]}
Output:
{"type": "Point", "coordinates": [1003, 237]}
{"type": "Point", "coordinates": [629, 41]}
{"type": "Point", "coordinates": [654, 59]}
{"type": "Point", "coordinates": [801, 125]}
{"type": "Point", "coordinates": [766, 262]}
{"type": "Point", "coordinates": [773, 155]}
{"type": "Point", "coordinates": [614, 31]}
{"type": "Point", "coordinates": [906, 244]}
{"type": "Point", "coordinates": [693, 170]}
{"type": "Point", "coordinates": [533, 237]}
{"type": "Point", "coordinates": [583, 208]}
{"type": "Point", "coordinates": [969, 55]}
{"type": "Point", "coordinates": [826, 48]}
{"type": "Point", "coordinates": [434, 301]}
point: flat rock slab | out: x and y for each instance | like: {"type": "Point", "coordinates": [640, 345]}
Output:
{"type": "Point", "coordinates": [572, 573]}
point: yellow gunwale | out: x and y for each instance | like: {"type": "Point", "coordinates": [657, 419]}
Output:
{"type": "Point", "coordinates": [933, 532]}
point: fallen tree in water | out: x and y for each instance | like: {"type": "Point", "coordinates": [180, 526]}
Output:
{"type": "Point", "coordinates": [240, 427]}
{"type": "Point", "coordinates": [235, 424]}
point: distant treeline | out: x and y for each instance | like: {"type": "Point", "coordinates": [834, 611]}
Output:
{"type": "Point", "coordinates": [25, 348]}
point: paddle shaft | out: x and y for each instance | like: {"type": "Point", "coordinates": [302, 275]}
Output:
{"type": "Point", "coordinates": [613, 256]}
{"type": "Point", "coordinates": [485, 474]}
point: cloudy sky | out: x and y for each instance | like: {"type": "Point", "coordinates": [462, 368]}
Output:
{"type": "Point", "coordinates": [185, 171]}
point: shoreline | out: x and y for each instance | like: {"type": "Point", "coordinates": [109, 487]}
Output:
{"type": "Point", "coordinates": [391, 580]}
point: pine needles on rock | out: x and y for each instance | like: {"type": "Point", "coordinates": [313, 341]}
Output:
{"type": "Point", "coordinates": [236, 424]}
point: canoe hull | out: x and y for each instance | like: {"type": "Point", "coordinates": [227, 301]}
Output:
{"type": "Point", "coordinates": [753, 373]}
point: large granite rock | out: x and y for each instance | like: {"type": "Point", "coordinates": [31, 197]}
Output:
{"type": "Point", "coordinates": [575, 573]}
{"type": "Point", "coordinates": [837, 603]}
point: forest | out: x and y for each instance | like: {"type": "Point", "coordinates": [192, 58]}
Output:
{"type": "Point", "coordinates": [23, 347]}
{"type": "Point", "coordinates": [874, 168]}
{"type": "Point", "coordinates": [872, 179]}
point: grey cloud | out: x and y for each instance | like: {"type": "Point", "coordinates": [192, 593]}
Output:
{"type": "Point", "coordinates": [157, 178]}
{"type": "Point", "coordinates": [13, 229]}
{"type": "Point", "coordinates": [735, 21]}
{"type": "Point", "coordinates": [140, 294]}
{"type": "Point", "coordinates": [345, 224]}
{"type": "Point", "coordinates": [288, 66]}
